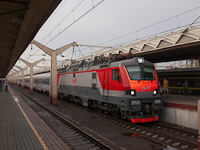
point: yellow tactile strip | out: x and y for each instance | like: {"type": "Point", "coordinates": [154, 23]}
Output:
{"type": "Point", "coordinates": [49, 137]}
{"type": "Point", "coordinates": [31, 125]}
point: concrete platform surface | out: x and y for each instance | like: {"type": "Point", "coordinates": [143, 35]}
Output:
{"type": "Point", "coordinates": [22, 129]}
{"type": "Point", "coordinates": [180, 110]}
{"type": "Point", "coordinates": [189, 99]}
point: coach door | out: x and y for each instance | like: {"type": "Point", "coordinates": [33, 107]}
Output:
{"type": "Point", "coordinates": [106, 85]}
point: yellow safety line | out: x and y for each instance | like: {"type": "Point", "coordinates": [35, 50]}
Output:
{"type": "Point", "coordinates": [31, 125]}
{"type": "Point", "coordinates": [180, 77]}
{"type": "Point", "coordinates": [189, 88]}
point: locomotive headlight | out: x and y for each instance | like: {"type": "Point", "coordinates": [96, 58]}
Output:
{"type": "Point", "coordinates": [132, 93]}
{"type": "Point", "coordinates": [154, 92]}
{"type": "Point", "coordinates": [157, 101]}
{"type": "Point", "coordinates": [135, 102]}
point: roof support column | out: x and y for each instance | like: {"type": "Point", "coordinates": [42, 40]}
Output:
{"type": "Point", "coordinates": [53, 95]}
{"type": "Point", "coordinates": [22, 70]}
{"type": "Point", "coordinates": [12, 77]}
{"type": "Point", "coordinates": [17, 78]}
{"type": "Point", "coordinates": [31, 79]}
{"type": "Point", "coordinates": [31, 65]}
{"type": "Point", "coordinates": [54, 77]}
{"type": "Point", "coordinates": [22, 79]}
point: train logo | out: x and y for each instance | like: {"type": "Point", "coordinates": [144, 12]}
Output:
{"type": "Point", "coordinates": [74, 80]}
{"type": "Point", "coordinates": [146, 88]}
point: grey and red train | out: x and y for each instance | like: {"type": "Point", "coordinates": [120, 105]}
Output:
{"type": "Point", "coordinates": [127, 88]}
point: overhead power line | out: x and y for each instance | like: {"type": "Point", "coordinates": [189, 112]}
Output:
{"type": "Point", "coordinates": [136, 31]}
{"type": "Point", "coordinates": [93, 7]}
{"type": "Point", "coordinates": [75, 21]}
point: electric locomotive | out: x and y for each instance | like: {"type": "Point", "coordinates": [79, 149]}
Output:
{"type": "Point", "coordinates": [127, 88]}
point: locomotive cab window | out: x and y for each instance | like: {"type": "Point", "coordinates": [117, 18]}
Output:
{"type": "Point", "coordinates": [115, 74]}
{"type": "Point", "coordinates": [141, 72]}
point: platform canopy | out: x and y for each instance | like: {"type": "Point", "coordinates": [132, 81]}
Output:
{"type": "Point", "coordinates": [20, 21]}
{"type": "Point", "coordinates": [175, 45]}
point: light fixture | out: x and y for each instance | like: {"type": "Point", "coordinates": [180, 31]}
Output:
{"type": "Point", "coordinates": [140, 60]}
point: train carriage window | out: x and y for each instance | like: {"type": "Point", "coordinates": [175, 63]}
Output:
{"type": "Point", "coordinates": [74, 75]}
{"type": "Point", "coordinates": [115, 74]}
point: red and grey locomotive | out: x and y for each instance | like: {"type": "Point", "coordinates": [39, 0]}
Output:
{"type": "Point", "coordinates": [126, 88]}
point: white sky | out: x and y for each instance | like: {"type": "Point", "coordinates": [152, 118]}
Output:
{"type": "Point", "coordinates": [109, 20]}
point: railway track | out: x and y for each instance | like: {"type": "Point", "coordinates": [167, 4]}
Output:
{"type": "Point", "coordinates": [71, 134]}
{"type": "Point", "coordinates": [158, 132]}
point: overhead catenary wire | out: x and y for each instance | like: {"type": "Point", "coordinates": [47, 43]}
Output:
{"type": "Point", "coordinates": [60, 6]}
{"type": "Point", "coordinates": [75, 21]}
{"type": "Point", "coordinates": [117, 44]}
{"type": "Point", "coordinates": [60, 32]}
{"type": "Point", "coordinates": [149, 26]}
{"type": "Point", "coordinates": [63, 19]}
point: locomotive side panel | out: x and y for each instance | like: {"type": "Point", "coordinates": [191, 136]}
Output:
{"type": "Point", "coordinates": [79, 85]}
{"type": "Point", "coordinates": [91, 85]}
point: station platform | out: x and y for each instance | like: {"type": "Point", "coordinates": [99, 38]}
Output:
{"type": "Point", "coordinates": [181, 101]}
{"type": "Point", "coordinates": [21, 128]}
{"type": "Point", "coordinates": [180, 110]}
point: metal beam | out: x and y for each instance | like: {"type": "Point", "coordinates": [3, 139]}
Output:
{"type": "Point", "coordinates": [53, 95]}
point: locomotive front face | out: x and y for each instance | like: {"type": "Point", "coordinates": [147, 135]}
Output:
{"type": "Point", "coordinates": [143, 101]}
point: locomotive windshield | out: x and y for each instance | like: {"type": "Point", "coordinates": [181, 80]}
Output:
{"type": "Point", "coordinates": [140, 72]}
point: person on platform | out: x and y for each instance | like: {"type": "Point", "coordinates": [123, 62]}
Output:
{"type": "Point", "coordinates": [166, 87]}
{"type": "Point", "coordinates": [185, 85]}
{"type": "Point", "coordinates": [6, 85]}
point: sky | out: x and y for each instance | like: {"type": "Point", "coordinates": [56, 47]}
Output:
{"type": "Point", "coordinates": [107, 24]}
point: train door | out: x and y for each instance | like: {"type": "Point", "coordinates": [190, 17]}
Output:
{"type": "Point", "coordinates": [106, 85]}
